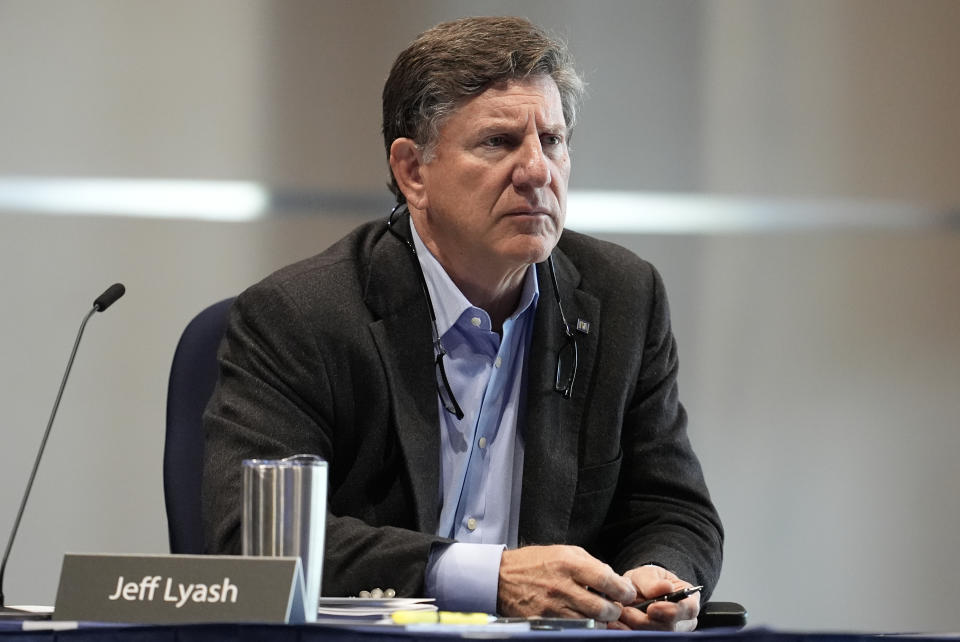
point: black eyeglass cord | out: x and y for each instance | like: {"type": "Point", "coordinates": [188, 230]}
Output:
{"type": "Point", "coordinates": [444, 389]}
{"type": "Point", "coordinates": [556, 290]}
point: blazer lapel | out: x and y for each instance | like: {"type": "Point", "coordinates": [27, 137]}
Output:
{"type": "Point", "coordinates": [403, 338]}
{"type": "Point", "coordinates": [552, 429]}
{"type": "Point", "coordinates": [553, 424]}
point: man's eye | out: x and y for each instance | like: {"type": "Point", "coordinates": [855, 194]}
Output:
{"type": "Point", "coordinates": [552, 139]}
{"type": "Point", "coordinates": [495, 141]}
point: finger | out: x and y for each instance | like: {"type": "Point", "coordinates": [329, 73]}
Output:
{"type": "Point", "coordinates": [679, 616]}
{"type": "Point", "coordinates": [596, 607]}
{"type": "Point", "coordinates": [686, 609]}
{"type": "Point", "coordinates": [686, 626]}
{"type": "Point", "coordinates": [654, 589]}
{"type": "Point", "coordinates": [602, 579]}
{"type": "Point", "coordinates": [577, 602]}
{"type": "Point", "coordinates": [664, 612]}
{"type": "Point", "coordinates": [588, 604]}
{"type": "Point", "coordinates": [652, 581]}
{"type": "Point", "coordinates": [553, 580]}
{"type": "Point", "coordinates": [617, 625]}
{"type": "Point", "coordinates": [638, 620]}
{"type": "Point", "coordinates": [659, 620]}
{"type": "Point", "coordinates": [605, 610]}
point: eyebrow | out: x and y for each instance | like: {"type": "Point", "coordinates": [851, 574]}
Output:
{"type": "Point", "coordinates": [509, 125]}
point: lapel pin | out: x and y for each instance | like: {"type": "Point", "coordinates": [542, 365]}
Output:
{"type": "Point", "coordinates": [583, 326]}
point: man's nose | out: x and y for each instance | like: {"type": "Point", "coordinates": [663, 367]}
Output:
{"type": "Point", "coordinates": [532, 167]}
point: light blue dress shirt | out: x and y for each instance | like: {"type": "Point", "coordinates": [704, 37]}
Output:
{"type": "Point", "coordinates": [481, 455]}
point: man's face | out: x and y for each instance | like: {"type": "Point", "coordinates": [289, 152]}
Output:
{"type": "Point", "coordinates": [495, 186]}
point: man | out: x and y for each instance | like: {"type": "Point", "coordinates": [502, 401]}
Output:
{"type": "Point", "coordinates": [496, 397]}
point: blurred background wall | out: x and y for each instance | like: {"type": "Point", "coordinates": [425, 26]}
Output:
{"type": "Point", "coordinates": [819, 333]}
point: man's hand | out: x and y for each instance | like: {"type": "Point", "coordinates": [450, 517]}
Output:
{"type": "Point", "coordinates": [560, 581]}
{"type": "Point", "coordinates": [650, 582]}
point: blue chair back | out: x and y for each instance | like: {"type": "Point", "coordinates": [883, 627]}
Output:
{"type": "Point", "coordinates": [192, 379]}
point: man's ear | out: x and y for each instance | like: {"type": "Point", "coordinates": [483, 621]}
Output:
{"type": "Point", "coordinates": [406, 162]}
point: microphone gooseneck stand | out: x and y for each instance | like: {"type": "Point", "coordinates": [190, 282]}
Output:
{"type": "Point", "coordinates": [102, 302]}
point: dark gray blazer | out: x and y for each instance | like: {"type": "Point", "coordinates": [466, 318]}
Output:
{"type": "Point", "coordinates": [333, 355]}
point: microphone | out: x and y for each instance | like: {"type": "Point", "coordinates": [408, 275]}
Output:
{"type": "Point", "coordinates": [108, 298]}
{"type": "Point", "coordinates": [101, 303]}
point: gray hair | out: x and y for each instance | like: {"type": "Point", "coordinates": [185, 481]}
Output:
{"type": "Point", "coordinates": [457, 60]}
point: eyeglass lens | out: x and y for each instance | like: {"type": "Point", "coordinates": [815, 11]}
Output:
{"type": "Point", "coordinates": [566, 368]}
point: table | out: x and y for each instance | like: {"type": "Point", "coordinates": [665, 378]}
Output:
{"type": "Point", "coordinates": [10, 632]}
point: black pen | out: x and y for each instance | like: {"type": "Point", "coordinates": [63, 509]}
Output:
{"type": "Point", "coordinates": [676, 596]}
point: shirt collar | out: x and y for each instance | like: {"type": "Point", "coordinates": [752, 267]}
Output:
{"type": "Point", "coordinates": [449, 303]}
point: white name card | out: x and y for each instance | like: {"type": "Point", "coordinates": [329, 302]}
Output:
{"type": "Point", "coordinates": [160, 589]}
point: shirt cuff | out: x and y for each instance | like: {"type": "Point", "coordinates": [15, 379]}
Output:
{"type": "Point", "coordinates": [464, 577]}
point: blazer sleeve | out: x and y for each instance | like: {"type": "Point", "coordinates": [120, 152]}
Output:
{"type": "Point", "coordinates": [275, 397]}
{"type": "Point", "coordinates": [662, 513]}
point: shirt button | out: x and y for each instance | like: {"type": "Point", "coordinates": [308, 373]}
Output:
{"type": "Point", "coordinates": [476, 322]}
{"type": "Point", "coordinates": [483, 442]}
{"type": "Point", "coordinates": [498, 362]}
{"type": "Point", "coordinates": [471, 524]}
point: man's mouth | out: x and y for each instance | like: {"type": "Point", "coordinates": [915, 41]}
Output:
{"type": "Point", "coordinates": [531, 212]}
